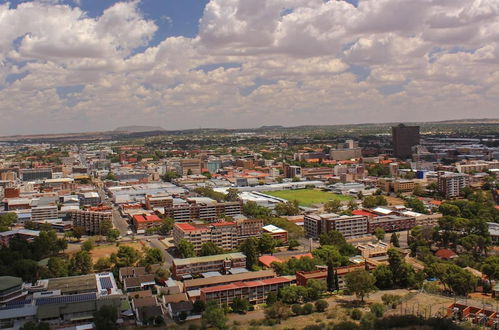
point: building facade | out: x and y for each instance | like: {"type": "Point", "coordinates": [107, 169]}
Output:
{"type": "Point", "coordinates": [404, 138]}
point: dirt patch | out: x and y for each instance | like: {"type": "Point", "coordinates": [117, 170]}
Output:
{"type": "Point", "coordinates": [104, 250]}
{"type": "Point", "coordinates": [394, 200]}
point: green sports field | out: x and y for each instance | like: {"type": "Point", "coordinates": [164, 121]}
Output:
{"type": "Point", "coordinates": [307, 197]}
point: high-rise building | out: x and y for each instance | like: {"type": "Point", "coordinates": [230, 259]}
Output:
{"type": "Point", "coordinates": [404, 138]}
{"type": "Point", "coordinates": [34, 174]}
{"type": "Point", "coordinates": [91, 219]}
{"type": "Point", "coordinates": [451, 184]}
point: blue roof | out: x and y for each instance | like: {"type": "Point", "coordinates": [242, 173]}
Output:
{"type": "Point", "coordinates": [105, 282]}
{"type": "Point", "coordinates": [66, 299]}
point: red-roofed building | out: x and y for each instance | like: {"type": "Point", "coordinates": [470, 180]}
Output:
{"type": "Point", "coordinates": [142, 222]}
{"type": "Point", "coordinates": [226, 235]}
{"type": "Point", "coordinates": [364, 213]}
{"type": "Point", "coordinates": [268, 260]}
{"type": "Point", "coordinates": [255, 291]}
{"type": "Point", "coordinates": [446, 254]}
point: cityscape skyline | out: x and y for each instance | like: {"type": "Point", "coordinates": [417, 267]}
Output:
{"type": "Point", "coordinates": [93, 66]}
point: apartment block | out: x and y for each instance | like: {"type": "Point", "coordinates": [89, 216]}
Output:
{"type": "Point", "coordinates": [391, 223]}
{"type": "Point", "coordinates": [158, 201]}
{"type": "Point", "coordinates": [143, 222]}
{"type": "Point", "coordinates": [91, 220]}
{"type": "Point", "coordinates": [226, 235]}
{"type": "Point", "coordinates": [395, 185]}
{"type": "Point", "coordinates": [404, 138]}
{"type": "Point", "coordinates": [348, 226]}
{"type": "Point", "coordinates": [36, 174]}
{"type": "Point", "coordinates": [255, 292]}
{"type": "Point", "coordinates": [202, 209]}
{"type": "Point", "coordinates": [41, 213]}
{"type": "Point", "coordinates": [188, 267]}
{"type": "Point", "coordinates": [452, 184]}
{"type": "Point", "coordinates": [189, 166]}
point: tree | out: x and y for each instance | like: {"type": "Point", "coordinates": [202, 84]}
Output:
{"type": "Point", "coordinates": [80, 263]}
{"type": "Point", "coordinates": [105, 227]}
{"type": "Point", "coordinates": [315, 289]}
{"type": "Point", "coordinates": [296, 179]}
{"type": "Point", "coordinates": [126, 256]}
{"type": "Point", "coordinates": [329, 254]}
{"type": "Point", "coordinates": [58, 267]}
{"type": "Point", "coordinates": [232, 195]}
{"type": "Point", "coordinates": [361, 283]}
{"type": "Point", "coordinates": [166, 226]}
{"type": "Point", "coordinates": [105, 318]}
{"type": "Point", "coordinates": [379, 233]}
{"type": "Point", "coordinates": [271, 298]}
{"type": "Point", "coordinates": [330, 278]}
{"type": "Point", "coordinates": [394, 239]}
{"type": "Point", "coordinates": [292, 244]}
{"type": "Point", "coordinates": [110, 176]}
{"type": "Point", "coordinates": [250, 249]}
{"type": "Point", "coordinates": [88, 245]}
{"type": "Point", "coordinates": [102, 264]}
{"type": "Point", "coordinates": [169, 176]}
{"type": "Point", "coordinates": [113, 235]}
{"type": "Point", "coordinates": [214, 317]}
{"type": "Point", "coordinates": [266, 243]}
{"type": "Point", "coordinates": [210, 249]}
{"type": "Point", "coordinates": [384, 277]}
{"type": "Point", "coordinates": [288, 208]}
{"type": "Point", "coordinates": [321, 305]}
{"type": "Point", "coordinates": [240, 305]}
{"type": "Point", "coordinates": [186, 249]}
{"type": "Point", "coordinates": [416, 205]}
{"type": "Point", "coordinates": [7, 220]}
{"type": "Point", "coordinates": [332, 206]}
{"type": "Point", "coordinates": [78, 232]}
{"type": "Point", "coordinates": [373, 201]}
{"type": "Point", "coordinates": [152, 256]}
{"type": "Point", "coordinates": [293, 294]}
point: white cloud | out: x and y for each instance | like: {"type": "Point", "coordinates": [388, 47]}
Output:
{"type": "Point", "coordinates": [296, 63]}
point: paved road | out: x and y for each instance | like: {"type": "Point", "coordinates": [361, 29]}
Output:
{"type": "Point", "coordinates": [155, 243]}
{"type": "Point", "coordinates": [119, 222]}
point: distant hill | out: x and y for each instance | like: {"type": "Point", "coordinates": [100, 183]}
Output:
{"type": "Point", "coordinates": [138, 129]}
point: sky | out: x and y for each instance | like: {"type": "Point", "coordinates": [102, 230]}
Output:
{"type": "Point", "coordinates": [93, 65]}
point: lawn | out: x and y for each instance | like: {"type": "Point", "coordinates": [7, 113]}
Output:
{"type": "Point", "coordinates": [103, 250]}
{"type": "Point", "coordinates": [307, 197]}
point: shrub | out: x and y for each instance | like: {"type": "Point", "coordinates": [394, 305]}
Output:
{"type": "Point", "coordinates": [378, 309]}
{"type": "Point", "coordinates": [308, 308]}
{"type": "Point", "coordinates": [296, 309]}
{"type": "Point", "coordinates": [321, 305]}
{"type": "Point", "coordinates": [356, 314]}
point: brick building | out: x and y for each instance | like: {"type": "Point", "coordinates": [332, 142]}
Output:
{"type": "Point", "coordinates": [202, 209]}
{"type": "Point", "coordinates": [184, 268]}
{"type": "Point", "coordinates": [91, 219]}
{"type": "Point", "coordinates": [226, 235]}
{"type": "Point", "coordinates": [255, 292]}
{"type": "Point", "coordinates": [391, 223]}
{"type": "Point", "coordinates": [348, 226]}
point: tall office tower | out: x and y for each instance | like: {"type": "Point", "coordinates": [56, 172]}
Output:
{"type": "Point", "coordinates": [404, 138]}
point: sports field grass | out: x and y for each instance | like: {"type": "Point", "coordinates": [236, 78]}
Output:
{"type": "Point", "coordinates": [307, 197]}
